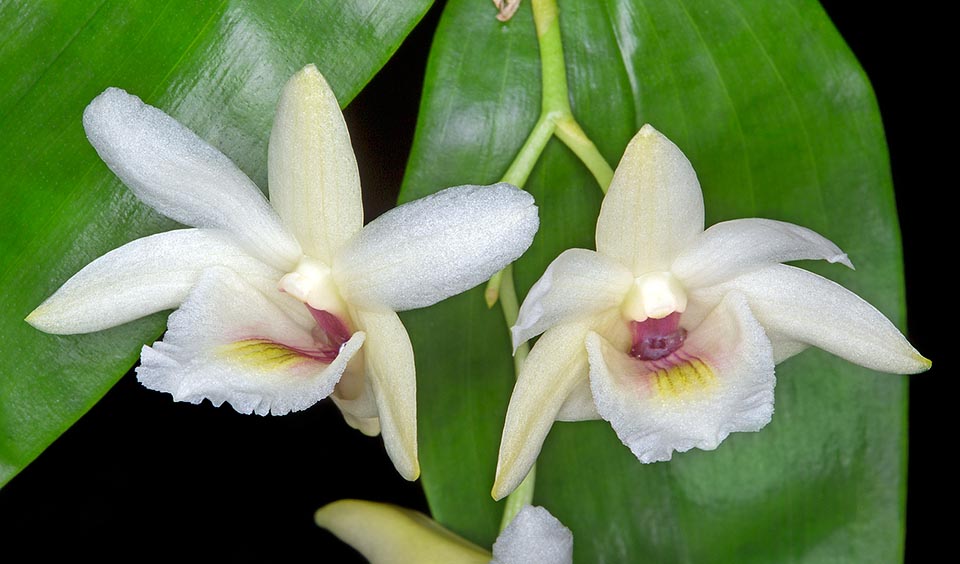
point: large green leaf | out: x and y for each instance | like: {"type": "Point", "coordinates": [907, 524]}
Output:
{"type": "Point", "coordinates": [216, 66]}
{"type": "Point", "coordinates": [780, 122]}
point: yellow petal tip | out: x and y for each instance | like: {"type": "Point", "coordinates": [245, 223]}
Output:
{"type": "Point", "coordinates": [497, 492]}
{"type": "Point", "coordinates": [491, 296]}
{"type": "Point", "coordinates": [387, 533]}
{"type": "Point", "coordinates": [35, 319]}
{"type": "Point", "coordinates": [308, 72]}
{"type": "Point", "coordinates": [327, 515]}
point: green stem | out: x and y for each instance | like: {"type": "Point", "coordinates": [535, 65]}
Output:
{"type": "Point", "coordinates": [556, 117]}
{"type": "Point", "coordinates": [573, 136]}
{"type": "Point", "coordinates": [511, 308]}
{"type": "Point", "coordinates": [520, 497]}
{"type": "Point", "coordinates": [530, 152]}
{"type": "Point", "coordinates": [555, 97]}
{"type": "Point", "coordinates": [517, 174]}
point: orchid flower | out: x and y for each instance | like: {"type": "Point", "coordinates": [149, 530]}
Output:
{"type": "Point", "coordinates": [387, 534]}
{"type": "Point", "coordinates": [286, 302]}
{"type": "Point", "coordinates": [670, 332]}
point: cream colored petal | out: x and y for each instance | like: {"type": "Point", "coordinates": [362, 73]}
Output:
{"type": "Point", "coordinates": [731, 248]}
{"type": "Point", "coordinates": [387, 534]}
{"type": "Point", "coordinates": [534, 537]}
{"type": "Point", "coordinates": [654, 207]}
{"type": "Point", "coordinates": [430, 249]}
{"type": "Point", "coordinates": [314, 182]}
{"type": "Point", "coordinates": [579, 405]}
{"type": "Point", "coordinates": [798, 307]}
{"type": "Point", "coordinates": [142, 277]}
{"type": "Point", "coordinates": [719, 382]}
{"type": "Point", "coordinates": [369, 426]}
{"type": "Point", "coordinates": [355, 398]}
{"type": "Point", "coordinates": [703, 302]}
{"type": "Point", "coordinates": [556, 366]}
{"type": "Point", "coordinates": [577, 284]}
{"type": "Point", "coordinates": [389, 367]}
{"type": "Point", "coordinates": [230, 343]}
{"type": "Point", "coordinates": [182, 176]}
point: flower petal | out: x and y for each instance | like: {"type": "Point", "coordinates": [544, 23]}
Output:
{"type": "Point", "coordinates": [356, 400]}
{"type": "Point", "coordinates": [534, 537]}
{"type": "Point", "coordinates": [654, 207]}
{"type": "Point", "coordinates": [577, 284]}
{"type": "Point", "coordinates": [795, 305]}
{"type": "Point", "coordinates": [369, 426]}
{"type": "Point", "coordinates": [385, 534]}
{"type": "Point", "coordinates": [183, 177]}
{"type": "Point", "coordinates": [430, 249]}
{"type": "Point", "coordinates": [229, 342]}
{"type": "Point", "coordinates": [731, 248]}
{"type": "Point", "coordinates": [314, 182]}
{"type": "Point", "coordinates": [556, 366]}
{"type": "Point", "coordinates": [579, 405]}
{"type": "Point", "coordinates": [720, 381]}
{"type": "Point", "coordinates": [142, 277]}
{"type": "Point", "coordinates": [390, 370]}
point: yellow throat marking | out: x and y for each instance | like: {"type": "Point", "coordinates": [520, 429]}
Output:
{"type": "Point", "coordinates": [683, 379]}
{"type": "Point", "coordinates": [262, 354]}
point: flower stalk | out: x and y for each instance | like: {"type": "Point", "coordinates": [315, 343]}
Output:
{"type": "Point", "coordinates": [556, 118]}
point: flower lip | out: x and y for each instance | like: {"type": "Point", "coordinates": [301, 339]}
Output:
{"type": "Point", "coordinates": [654, 339]}
{"type": "Point", "coordinates": [331, 331]}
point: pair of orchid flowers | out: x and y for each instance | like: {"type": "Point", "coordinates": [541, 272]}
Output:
{"type": "Point", "coordinates": [668, 331]}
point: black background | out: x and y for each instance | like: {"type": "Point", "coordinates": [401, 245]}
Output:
{"type": "Point", "coordinates": [143, 478]}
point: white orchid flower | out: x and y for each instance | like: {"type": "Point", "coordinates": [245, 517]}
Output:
{"type": "Point", "coordinates": [282, 303]}
{"type": "Point", "coordinates": [387, 534]}
{"type": "Point", "coordinates": [670, 332]}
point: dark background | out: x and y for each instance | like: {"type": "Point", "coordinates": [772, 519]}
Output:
{"type": "Point", "coordinates": [140, 477]}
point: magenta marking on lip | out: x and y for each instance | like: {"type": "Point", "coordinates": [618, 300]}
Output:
{"type": "Point", "coordinates": [323, 354]}
{"type": "Point", "coordinates": [332, 326]}
{"type": "Point", "coordinates": [654, 339]}
{"type": "Point", "coordinates": [329, 336]}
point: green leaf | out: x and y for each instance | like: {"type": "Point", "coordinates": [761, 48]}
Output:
{"type": "Point", "coordinates": [216, 66]}
{"type": "Point", "coordinates": [779, 121]}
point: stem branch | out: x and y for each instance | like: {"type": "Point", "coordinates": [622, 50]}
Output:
{"type": "Point", "coordinates": [556, 117]}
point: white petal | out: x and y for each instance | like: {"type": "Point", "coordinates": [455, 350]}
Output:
{"type": "Point", "coordinates": [579, 405]}
{"type": "Point", "coordinates": [355, 397]}
{"type": "Point", "coordinates": [387, 534]}
{"type": "Point", "coordinates": [577, 284]}
{"type": "Point", "coordinates": [654, 207]}
{"type": "Point", "coordinates": [784, 348]}
{"type": "Point", "coordinates": [142, 277]}
{"type": "Point", "coordinates": [799, 306]}
{"type": "Point", "coordinates": [389, 367]}
{"type": "Point", "coordinates": [731, 248]}
{"type": "Point", "coordinates": [430, 249]}
{"type": "Point", "coordinates": [534, 537]}
{"type": "Point", "coordinates": [181, 176]}
{"type": "Point", "coordinates": [229, 342]}
{"type": "Point", "coordinates": [314, 182]}
{"type": "Point", "coordinates": [720, 381]}
{"type": "Point", "coordinates": [556, 366]}
{"type": "Point", "coordinates": [369, 426]}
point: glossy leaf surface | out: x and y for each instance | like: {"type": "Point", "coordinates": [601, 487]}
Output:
{"type": "Point", "coordinates": [780, 122]}
{"type": "Point", "coordinates": [217, 67]}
